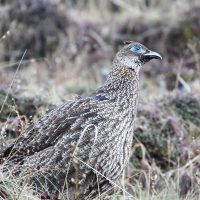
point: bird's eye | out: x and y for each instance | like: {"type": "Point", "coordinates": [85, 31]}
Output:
{"type": "Point", "coordinates": [137, 49]}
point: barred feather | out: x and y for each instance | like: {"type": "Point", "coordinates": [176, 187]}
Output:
{"type": "Point", "coordinates": [64, 149]}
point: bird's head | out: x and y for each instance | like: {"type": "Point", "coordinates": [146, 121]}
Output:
{"type": "Point", "coordinates": [134, 55]}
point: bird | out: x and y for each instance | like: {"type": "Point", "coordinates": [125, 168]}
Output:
{"type": "Point", "coordinates": [81, 148]}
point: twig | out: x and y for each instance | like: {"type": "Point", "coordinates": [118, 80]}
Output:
{"type": "Point", "coordinates": [178, 75]}
{"type": "Point", "coordinates": [80, 138]}
{"type": "Point", "coordinates": [196, 158]}
{"type": "Point", "coordinates": [12, 81]}
{"type": "Point", "coordinates": [112, 182]}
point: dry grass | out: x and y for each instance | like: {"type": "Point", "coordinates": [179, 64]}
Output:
{"type": "Point", "coordinates": [57, 77]}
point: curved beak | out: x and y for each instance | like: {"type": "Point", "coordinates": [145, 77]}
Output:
{"type": "Point", "coordinates": [151, 55]}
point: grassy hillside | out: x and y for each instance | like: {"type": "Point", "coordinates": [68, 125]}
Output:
{"type": "Point", "coordinates": [52, 51]}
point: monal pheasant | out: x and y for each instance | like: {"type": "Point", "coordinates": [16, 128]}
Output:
{"type": "Point", "coordinates": [81, 148]}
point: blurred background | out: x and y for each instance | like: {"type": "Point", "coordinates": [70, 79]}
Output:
{"type": "Point", "coordinates": [53, 50]}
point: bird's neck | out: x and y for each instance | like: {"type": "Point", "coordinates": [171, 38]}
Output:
{"type": "Point", "coordinates": [123, 82]}
{"type": "Point", "coordinates": [120, 91]}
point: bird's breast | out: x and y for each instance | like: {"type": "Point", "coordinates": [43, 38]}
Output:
{"type": "Point", "coordinates": [113, 142]}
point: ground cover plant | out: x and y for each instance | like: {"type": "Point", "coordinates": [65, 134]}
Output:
{"type": "Point", "coordinates": [55, 51]}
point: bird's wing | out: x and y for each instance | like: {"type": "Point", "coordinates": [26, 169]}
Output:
{"type": "Point", "coordinates": [49, 129]}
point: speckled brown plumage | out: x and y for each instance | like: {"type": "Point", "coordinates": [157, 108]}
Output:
{"type": "Point", "coordinates": [63, 150]}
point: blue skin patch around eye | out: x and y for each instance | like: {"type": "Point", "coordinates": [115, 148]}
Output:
{"type": "Point", "coordinates": [137, 49]}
